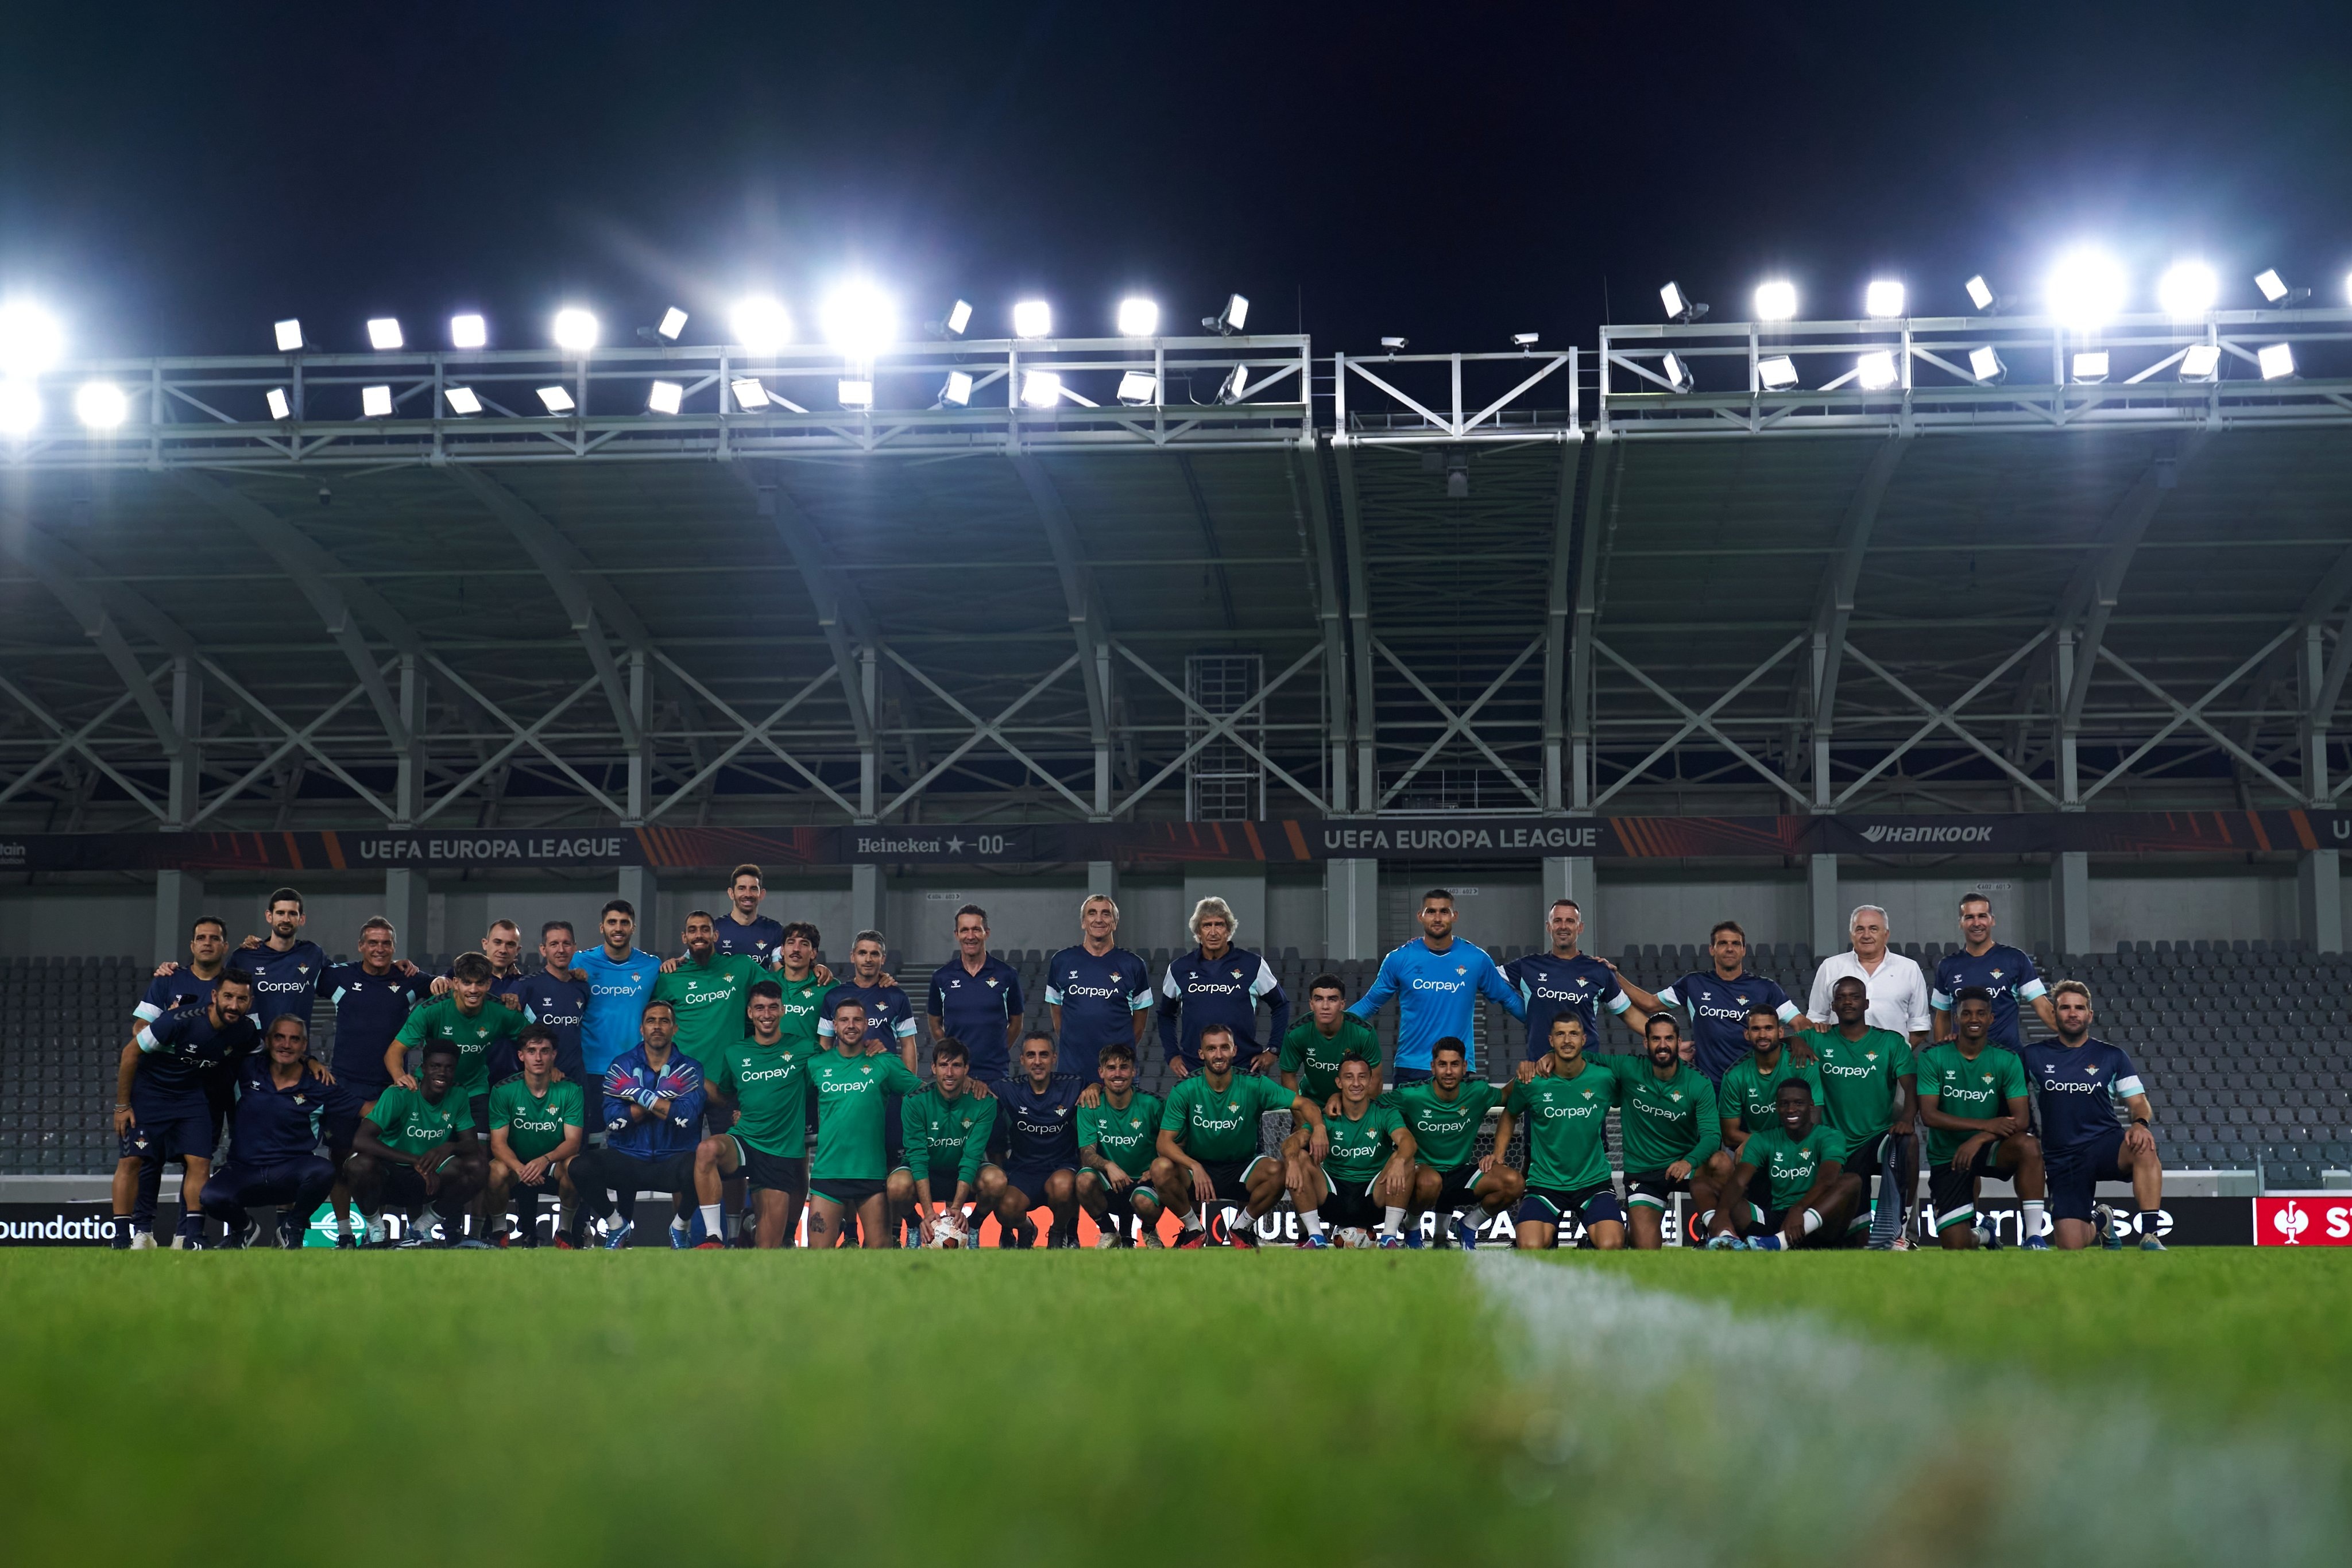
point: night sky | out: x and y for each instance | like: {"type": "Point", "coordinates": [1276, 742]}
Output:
{"type": "Point", "coordinates": [174, 178]}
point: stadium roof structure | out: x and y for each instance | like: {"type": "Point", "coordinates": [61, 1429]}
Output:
{"type": "Point", "coordinates": [967, 583]}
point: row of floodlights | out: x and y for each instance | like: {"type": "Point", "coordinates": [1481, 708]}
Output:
{"type": "Point", "coordinates": [1878, 371]}
{"type": "Point", "coordinates": [2085, 290]}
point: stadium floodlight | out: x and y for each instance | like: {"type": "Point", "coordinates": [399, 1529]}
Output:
{"type": "Point", "coordinates": [952, 324]}
{"type": "Point", "coordinates": [1875, 370]}
{"type": "Point", "coordinates": [1678, 373]}
{"type": "Point", "coordinates": [376, 402]}
{"type": "Point", "coordinates": [1032, 318]}
{"type": "Point", "coordinates": [2090, 367]}
{"type": "Point", "coordinates": [1040, 388]}
{"type": "Point", "coordinates": [2087, 288]}
{"type": "Point", "coordinates": [1395, 346]}
{"type": "Point", "coordinates": [1139, 387]}
{"type": "Point", "coordinates": [749, 393]}
{"type": "Point", "coordinates": [20, 407]}
{"type": "Point", "coordinates": [1775, 300]}
{"type": "Point", "coordinates": [673, 322]}
{"type": "Point", "coordinates": [101, 405]}
{"type": "Point", "coordinates": [2275, 289]}
{"type": "Point", "coordinates": [574, 330]}
{"type": "Point", "coordinates": [469, 331]}
{"type": "Point", "coordinates": [856, 391]}
{"type": "Point", "coordinates": [1233, 319]}
{"type": "Point", "coordinates": [2187, 289]}
{"type": "Point", "coordinates": [663, 397]}
{"type": "Point", "coordinates": [280, 406]}
{"type": "Point", "coordinates": [958, 390]}
{"type": "Point", "coordinates": [289, 336]}
{"type": "Point", "coordinates": [1777, 374]}
{"type": "Point", "coordinates": [2277, 361]}
{"type": "Point", "coordinates": [462, 400]}
{"type": "Point", "coordinates": [1236, 386]}
{"type": "Point", "coordinates": [1525, 341]}
{"type": "Point", "coordinates": [860, 319]}
{"type": "Point", "coordinates": [1980, 292]}
{"type": "Point", "coordinates": [30, 338]}
{"type": "Point", "coordinates": [1985, 364]}
{"type": "Point", "coordinates": [383, 332]}
{"type": "Point", "coordinates": [2201, 362]}
{"type": "Point", "coordinates": [1138, 318]}
{"type": "Point", "coordinates": [1883, 299]}
{"type": "Point", "coordinates": [1680, 307]}
{"type": "Point", "coordinates": [761, 324]}
{"type": "Point", "coordinates": [556, 400]}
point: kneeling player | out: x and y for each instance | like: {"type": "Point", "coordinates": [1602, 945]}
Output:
{"type": "Point", "coordinates": [765, 1082]}
{"type": "Point", "coordinates": [1209, 1142]}
{"type": "Point", "coordinates": [415, 1148]}
{"type": "Point", "coordinates": [273, 1148]}
{"type": "Point", "coordinates": [1366, 1177]}
{"type": "Point", "coordinates": [1565, 1103]}
{"type": "Point", "coordinates": [1117, 1137]}
{"type": "Point", "coordinates": [536, 1126]}
{"type": "Point", "coordinates": [2079, 1080]}
{"type": "Point", "coordinates": [1445, 1111]}
{"type": "Point", "coordinates": [1973, 1098]}
{"type": "Point", "coordinates": [1039, 1130]}
{"type": "Point", "coordinates": [1807, 1193]}
{"type": "Point", "coordinates": [944, 1133]}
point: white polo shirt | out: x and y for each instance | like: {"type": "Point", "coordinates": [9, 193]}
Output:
{"type": "Point", "coordinates": [1898, 992]}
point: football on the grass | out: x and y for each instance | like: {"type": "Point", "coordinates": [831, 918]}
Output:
{"type": "Point", "coordinates": [947, 1230]}
{"type": "Point", "coordinates": [1355, 1236]}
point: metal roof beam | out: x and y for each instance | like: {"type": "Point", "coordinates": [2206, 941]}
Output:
{"type": "Point", "coordinates": [1581, 670]}
{"type": "Point", "coordinates": [1833, 607]}
{"type": "Point", "coordinates": [82, 589]}
{"type": "Point", "coordinates": [1557, 618]}
{"type": "Point", "coordinates": [1084, 602]}
{"type": "Point", "coordinates": [1316, 526]}
{"type": "Point", "coordinates": [1360, 623]}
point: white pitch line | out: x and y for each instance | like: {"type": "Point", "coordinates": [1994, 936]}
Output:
{"type": "Point", "coordinates": [1679, 1431]}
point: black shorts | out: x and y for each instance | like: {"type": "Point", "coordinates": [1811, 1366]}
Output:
{"type": "Point", "coordinates": [627, 1173]}
{"type": "Point", "coordinates": [848, 1193]}
{"type": "Point", "coordinates": [766, 1172]}
{"type": "Point", "coordinates": [1351, 1203]}
{"type": "Point", "coordinates": [403, 1188]}
{"type": "Point", "coordinates": [1032, 1179]}
{"type": "Point", "coordinates": [1457, 1185]}
{"type": "Point", "coordinates": [1653, 1189]}
{"type": "Point", "coordinates": [1401, 1076]}
{"type": "Point", "coordinates": [1558, 1206]}
{"type": "Point", "coordinates": [943, 1179]}
{"type": "Point", "coordinates": [482, 1114]}
{"type": "Point", "coordinates": [185, 1127]}
{"type": "Point", "coordinates": [2074, 1174]}
{"type": "Point", "coordinates": [1952, 1195]}
{"type": "Point", "coordinates": [1230, 1178]}
{"type": "Point", "coordinates": [1864, 1157]}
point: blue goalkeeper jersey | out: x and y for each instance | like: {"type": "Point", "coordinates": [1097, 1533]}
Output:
{"type": "Point", "coordinates": [617, 993]}
{"type": "Point", "coordinates": [630, 1080]}
{"type": "Point", "coordinates": [1437, 995]}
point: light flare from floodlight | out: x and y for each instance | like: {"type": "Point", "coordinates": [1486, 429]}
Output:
{"type": "Point", "coordinates": [1883, 299]}
{"type": "Point", "coordinates": [1876, 370]}
{"type": "Point", "coordinates": [1040, 388]}
{"type": "Point", "coordinates": [101, 405]}
{"type": "Point", "coordinates": [575, 331]}
{"type": "Point", "coordinates": [1775, 300]}
{"type": "Point", "coordinates": [1033, 319]}
{"type": "Point", "coordinates": [665, 397]}
{"type": "Point", "coordinates": [761, 324]}
{"type": "Point", "coordinates": [469, 331]}
{"type": "Point", "coordinates": [376, 402]}
{"type": "Point", "coordinates": [2188, 289]}
{"type": "Point", "coordinates": [2277, 361]}
{"type": "Point", "coordinates": [2086, 288]}
{"type": "Point", "coordinates": [860, 319]}
{"type": "Point", "coordinates": [289, 336]}
{"type": "Point", "coordinates": [1138, 318]}
{"type": "Point", "coordinates": [1980, 293]}
{"type": "Point", "coordinates": [857, 393]}
{"type": "Point", "coordinates": [20, 407]}
{"type": "Point", "coordinates": [2090, 367]}
{"type": "Point", "coordinates": [383, 332]}
{"type": "Point", "coordinates": [30, 339]}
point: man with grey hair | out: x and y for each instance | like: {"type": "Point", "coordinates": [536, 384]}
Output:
{"type": "Point", "coordinates": [1898, 986]}
{"type": "Point", "coordinates": [1096, 991]}
{"type": "Point", "coordinates": [1218, 985]}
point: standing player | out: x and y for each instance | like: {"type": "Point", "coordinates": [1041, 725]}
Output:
{"type": "Point", "coordinates": [621, 978]}
{"type": "Point", "coordinates": [1437, 980]}
{"type": "Point", "coordinates": [1896, 988]}
{"type": "Point", "coordinates": [556, 996]}
{"type": "Point", "coordinates": [174, 986]}
{"type": "Point", "coordinates": [415, 1148]}
{"type": "Point", "coordinates": [1870, 1085]}
{"type": "Point", "coordinates": [1565, 980]}
{"type": "Point", "coordinates": [1716, 1002]}
{"type": "Point", "coordinates": [803, 981]}
{"type": "Point", "coordinates": [976, 1000]}
{"type": "Point", "coordinates": [705, 990]}
{"type": "Point", "coordinates": [653, 1116]}
{"type": "Point", "coordinates": [1312, 1050]}
{"type": "Point", "coordinates": [1366, 1175]}
{"type": "Point", "coordinates": [2002, 972]}
{"type": "Point", "coordinates": [273, 1147]}
{"type": "Point", "coordinates": [1807, 1192]}
{"type": "Point", "coordinates": [1209, 1142]}
{"type": "Point", "coordinates": [1039, 1134]}
{"type": "Point", "coordinates": [536, 1126]}
{"type": "Point", "coordinates": [944, 1130]}
{"type": "Point", "coordinates": [1445, 1111]}
{"type": "Point", "coordinates": [162, 1103]}
{"type": "Point", "coordinates": [1117, 1139]}
{"type": "Point", "coordinates": [1565, 1103]}
{"type": "Point", "coordinates": [1219, 983]}
{"type": "Point", "coordinates": [743, 932]}
{"type": "Point", "coordinates": [889, 1024]}
{"type": "Point", "coordinates": [1672, 1129]}
{"type": "Point", "coordinates": [286, 965]}
{"type": "Point", "coordinates": [1748, 1096]}
{"type": "Point", "coordinates": [370, 998]}
{"type": "Point", "coordinates": [764, 1081]}
{"type": "Point", "coordinates": [1096, 992]}
{"type": "Point", "coordinates": [851, 1173]}
{"type": "Point", "coordinates": [1974, 1098]}
{"type": "Point", "coordinates": [2078, 1080]}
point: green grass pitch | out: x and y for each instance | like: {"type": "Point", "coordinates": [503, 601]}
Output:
{"type": "Point", "coordinates": [1344, 1408]}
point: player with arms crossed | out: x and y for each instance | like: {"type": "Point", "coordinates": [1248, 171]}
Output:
{"type": "Point", "coordinates": [1365, 1179]}
{"type": "Point", "coordinates": [538, 1126]}
{"type": "Point", "coordinates": [944, 1133]}
{"type": "Point", "coordinates": [1807, 1193]}
{"type": "Point", "coordinates": [416, 1149]}
{"type": "Point", "coordinates": [2078, 1079]}
{"type": "Point", "coordinates": [1870, 1083]}
{"type": "Point", "coordinates": [1975, 1100]}
{"type": "Point", "coordinates": [1117, 1138]}
{"type": "Point", "coordinates": [1444, 1114]}
{"type": "Point", "coordinates": [1565, 1103]}
{"type": "Point", "coordinates": [764, 1081]}
{"type": "Point", "coordinates": [1673, 1133]}
{"type": "Point", "coordinates": [851, 1173]}
{"type": "Point", "coordinates": [1209, 1142]}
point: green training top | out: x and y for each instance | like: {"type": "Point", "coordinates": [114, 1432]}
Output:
{"type": "Point", "coordinates": [1128, 1139]}
{"type": "Point", "coordinates": [768, 1086]}
{"type": "Point", "coordinates": [849, 1111]}
{"type": "Point", "coordinates": [535, 1122]}
{"type": "Point", "coordinates": [941, 1132]}
{"type": "Point", "coordinates": [708, 1001]}
{"type": "Point", "coordinates": [415, 1126]}
{"type": "Point", "coordinates": [1314, 1056]}
{"type": "Point", "coordinates": [1361, 1145]}
{"type": "Point", "coordinates": [1979, 1089]}
{"type": "Point", "coordinates": [1221, 1125]}
{"type": "Point", "coordinates": [1746, 1094]}
{"type": "Point", "coordinates": [1789, 1166]}
{"type": "Point", "coordinates": [1445, 1131]}
{"type": "Point", "coordinates": [804, 1005]}
{"type": "Point", "coordinates": [1665, 1120]}
{"type": "Point", "coordinates": [1567, 1120]}
{"type": "Point", "coordinates": [471, 1033]}
{"type": "Point", "coordinates": [1858, 1079]}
